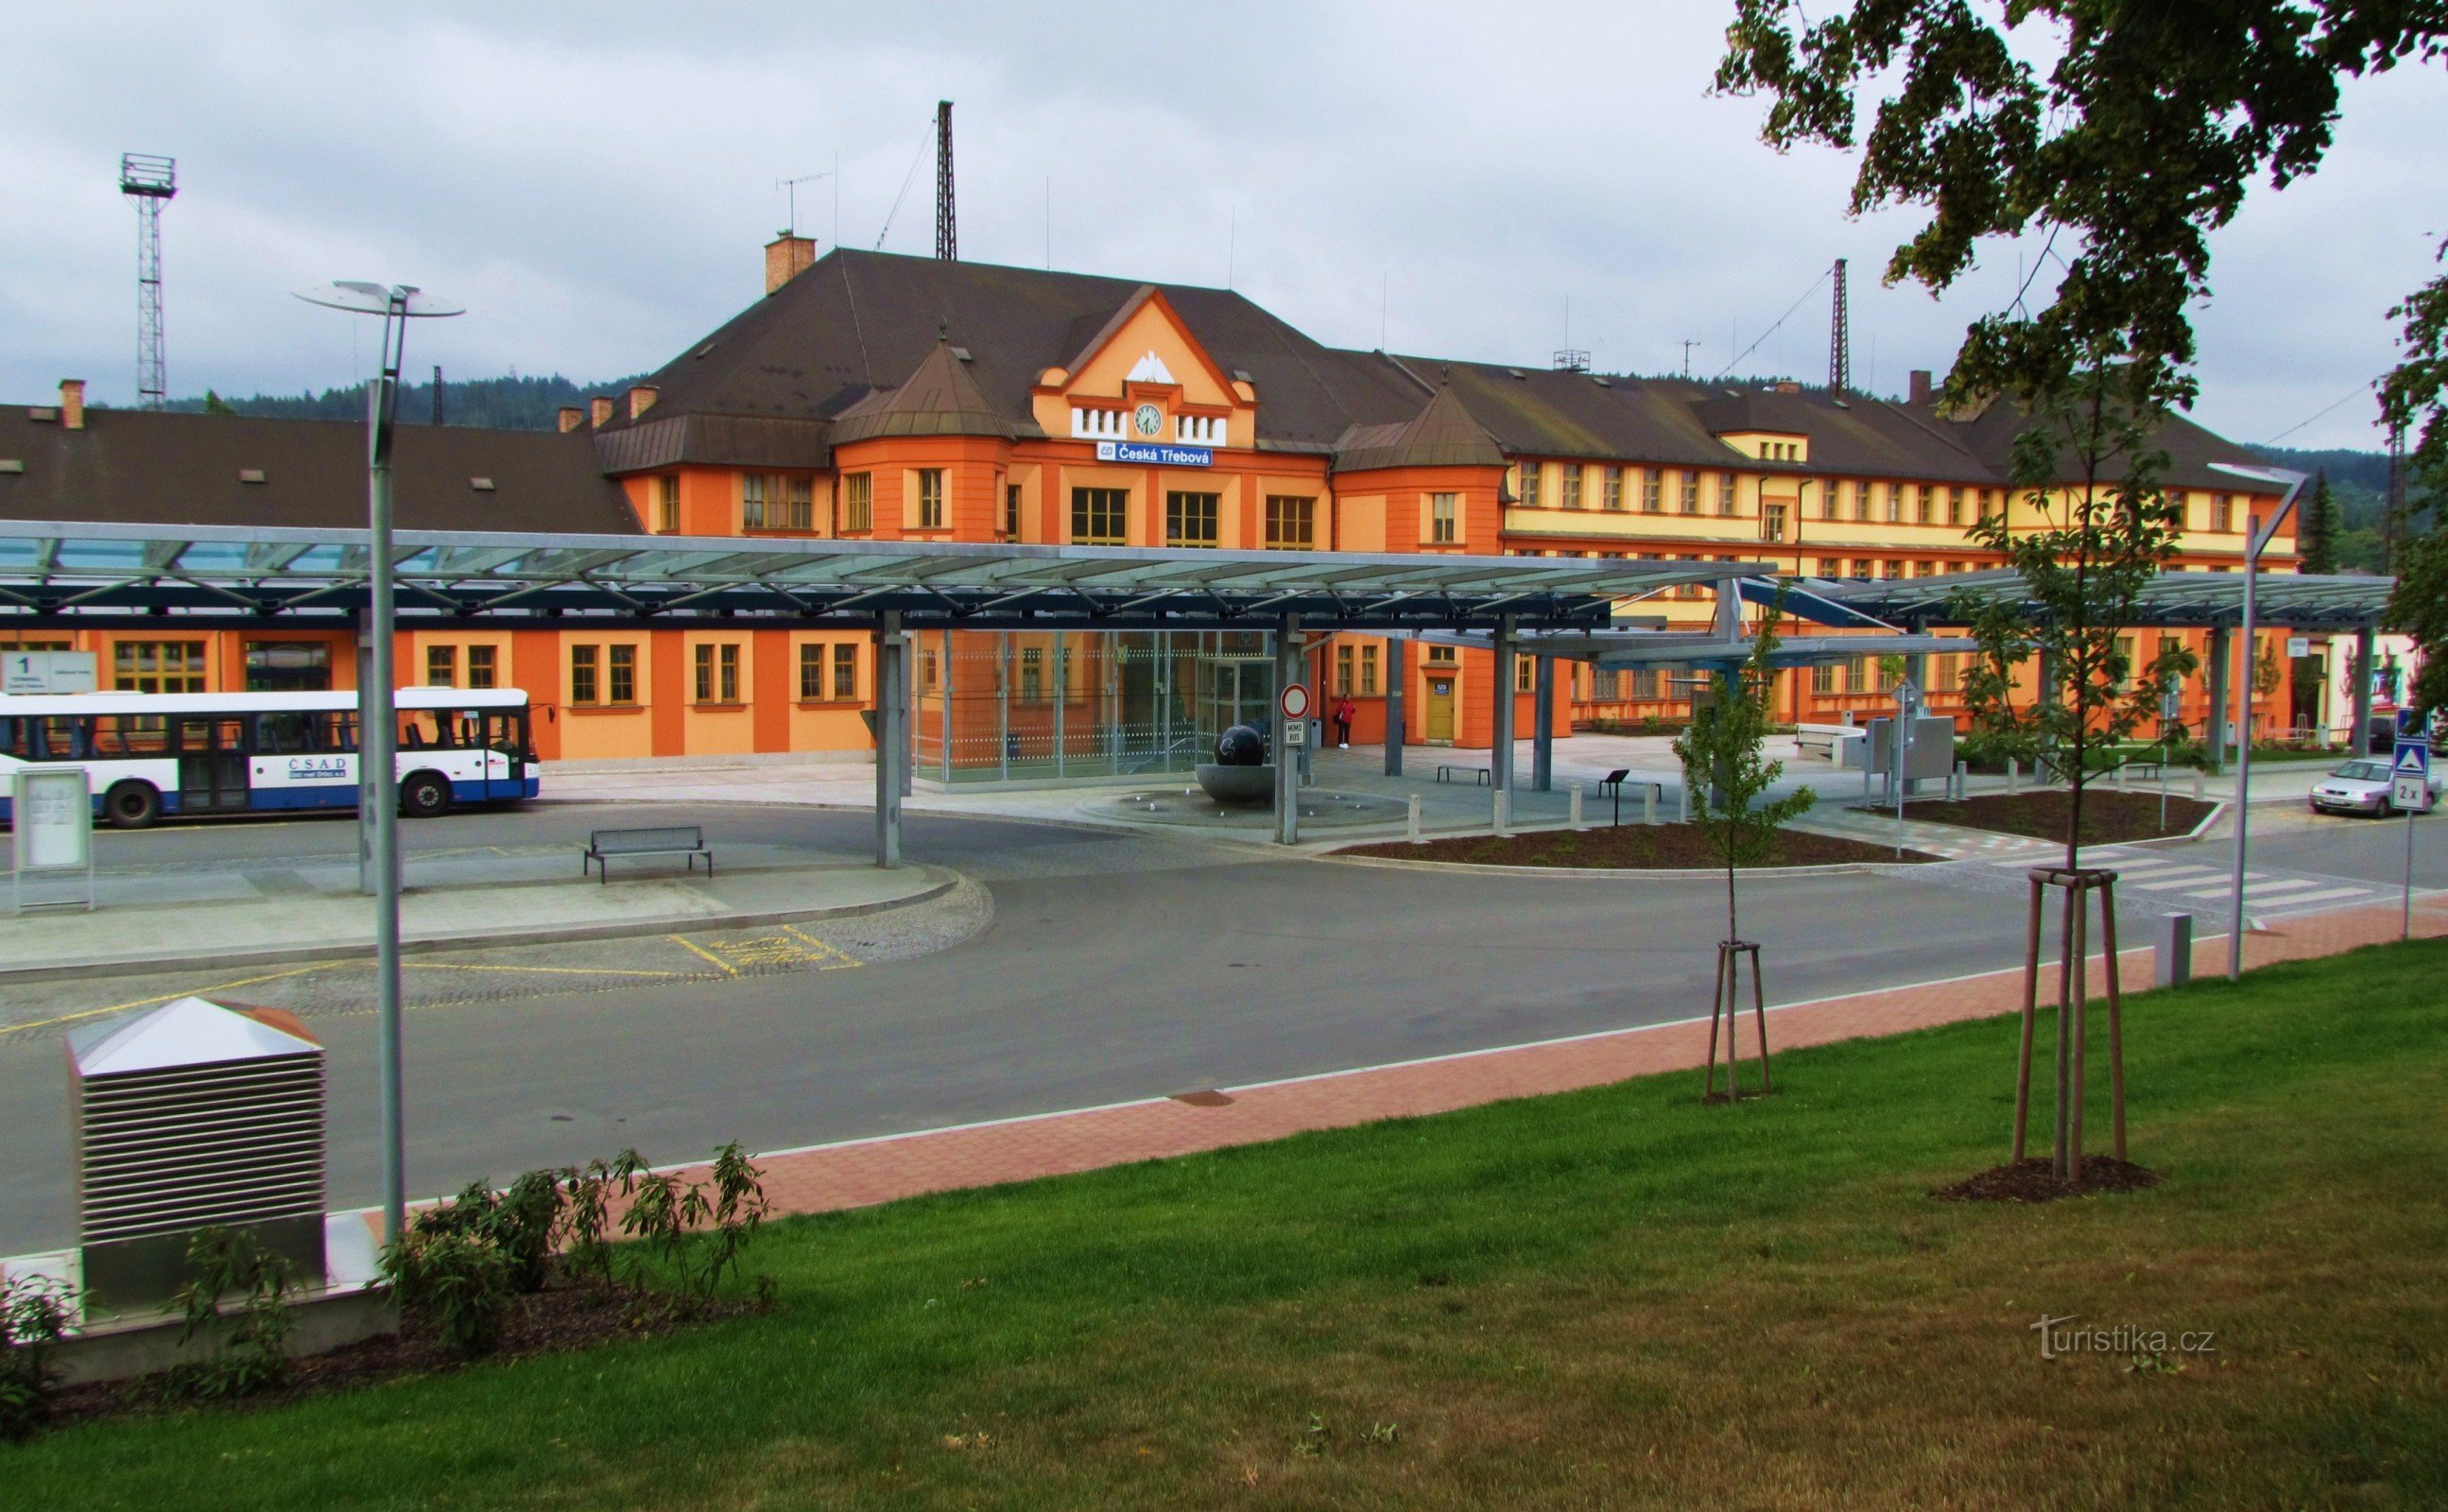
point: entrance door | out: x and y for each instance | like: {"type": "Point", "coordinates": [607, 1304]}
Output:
{"type": "Point", "coordinates": [1440, 709]}
{"type": "Point", "coordinates": [212, 766]}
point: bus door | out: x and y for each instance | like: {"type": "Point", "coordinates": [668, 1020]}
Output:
{"type": "Point", "coordinates": [212, 766]}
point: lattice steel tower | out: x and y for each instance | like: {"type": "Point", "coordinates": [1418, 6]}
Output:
{"type": "Point", "coordinates": [948, 241]}
{"type": "Point", "coordinates": [1840, 339]}
{"type": "Point", "coordinates": [151, 183]}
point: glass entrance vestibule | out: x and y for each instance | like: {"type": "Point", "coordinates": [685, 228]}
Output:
{"type": "Point", "coordinates": [1033, 706]}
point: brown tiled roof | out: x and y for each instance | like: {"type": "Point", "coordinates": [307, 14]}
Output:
{"type": "Point", "coordinates": [147, 467]}
{"type": "Point", "coordinates": [939, 399]}
{"type": "Point", "coordinates": [858, 322]}
{"type": "Point", "coordinates": [857, 327]}
{"type": "Point", "coordinates": [1990, 435]}
{"type": "Point", "coordinates": [1443, 434]}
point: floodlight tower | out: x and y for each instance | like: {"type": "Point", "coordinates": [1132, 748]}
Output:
{"type": "Point", "coordinates": [1840, 339]}
{"type": "Point", "coordinates": [947, 238]}
{"type": "Point", "coordinates": [152, 183]}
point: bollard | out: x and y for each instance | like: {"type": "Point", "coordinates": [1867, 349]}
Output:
{"type": "Point", "coordinates": [2120, 776]}
{"type": "Point", "coordinates": [1687, 803]}
{"type": "Point", "coordinates": [1415, 821]}
{"type": "Point", "coordinates": [1962, 780]}
{"type": "Point", "coordinates": [1575, 819]}
{"type": "Point", "coordinates": [2197, 784]}
{"type": "Point", "coordinates": [1500, 810]}
{"type": "Point", "coordinates": [2014, 777]}
{"type": "Point", "coordinates": [1649, 803]}
{"type": "Point", "coordinates": [2172, 951]}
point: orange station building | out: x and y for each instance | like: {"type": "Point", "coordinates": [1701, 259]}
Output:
{"type": "Point", "coordinates": [883, 397]}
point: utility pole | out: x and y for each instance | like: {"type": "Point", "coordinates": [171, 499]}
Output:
{"type": "Point", "coordinates": [1840, 341]}
{"type": "Point", "coordinates": [152, 183]}
{"type": "Point", "coordinates": [437, 393]}
{"type": "Point", "coordinates": [948, 241]}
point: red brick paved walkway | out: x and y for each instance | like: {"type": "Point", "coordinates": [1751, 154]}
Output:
{"type": "Point", "coordinates": [863, 1172]}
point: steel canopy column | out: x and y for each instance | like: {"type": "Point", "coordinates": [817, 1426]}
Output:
{"type": "Point", "coordinates": [2360, 744]}
{"type": "Point", "coordinates": [892, 749]}
{"type": "Point", "coordinates": [1288, 671]}
{"type": "Point", "coordinates": [1499, 758]}
{"type": "Point", "coordinates": [2214, 735]}
{"type": "Point", "coordinates": [1397, 684]}
{"type": "Point", "coordinates": [1543, 736]}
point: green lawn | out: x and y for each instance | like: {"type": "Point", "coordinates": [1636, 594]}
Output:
{"type": "Point", "coordinates": [1611, 1298]}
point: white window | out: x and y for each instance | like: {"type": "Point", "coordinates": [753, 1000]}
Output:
{"type": "Point", "coordinates": [1198, 429]}
{"type": "Point", "coordinates": [1096, 424]}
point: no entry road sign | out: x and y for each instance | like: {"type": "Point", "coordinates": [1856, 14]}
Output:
{"type": "Point", "coordinates": [1294, 702]}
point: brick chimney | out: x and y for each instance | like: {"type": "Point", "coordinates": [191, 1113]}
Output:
{"type": "Point", "coordinates": [72, 404]}
{"type": "Point", "coordinates": [642, 398]}
{"type": "Point", "coordinates": [786, 258]}
{"type": "Point", "coordinates": [1919, 393]}
{"type": "Point", "coordinates": [572, 418]}
{"type": "Point", "coordinates": [599, 411]}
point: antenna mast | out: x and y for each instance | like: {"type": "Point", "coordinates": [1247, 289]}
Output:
{"type": "Point", "coordinates": [946, 237]}
{"type": "Point", "coordinates": [150, 182]}
{"type": "Point", "coordinates": [1840, 341]}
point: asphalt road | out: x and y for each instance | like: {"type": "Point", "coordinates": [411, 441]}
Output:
{"type": "Point", "coordinates": [1114, 968]}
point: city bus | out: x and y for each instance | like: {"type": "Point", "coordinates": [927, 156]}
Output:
{"type": "Point", "coordinates": [148, 754]}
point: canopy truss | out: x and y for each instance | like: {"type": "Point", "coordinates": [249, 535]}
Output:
{"type": "Point", "coordinates": [2174, 599]}
{"type": "Point", "coordinates": [62, 573]}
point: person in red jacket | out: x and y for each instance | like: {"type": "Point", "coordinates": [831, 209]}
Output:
{"type": "Point", "coordinates": [1343, 710]}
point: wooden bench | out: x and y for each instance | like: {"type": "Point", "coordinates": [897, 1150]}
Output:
{"type": "Point", "coordinates": [669, 839]}
{"type": "Point", "coordinates": [1821, 740]}
{"type": "Point", "coordinates": [1446, 770]}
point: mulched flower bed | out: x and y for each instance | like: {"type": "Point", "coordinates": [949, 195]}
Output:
{"type": "Point", "coordinates": [2036, 1180]}
{"type": "Point", "coordinates": [2109, 815]}
{"type": "Point", "coordinates": [570, 1315]}
{"type": "Point", "coordinates": [1659, 847]}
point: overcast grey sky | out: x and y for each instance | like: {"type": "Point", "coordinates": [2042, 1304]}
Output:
{"type": "Point", "coordinates": [594, 182]}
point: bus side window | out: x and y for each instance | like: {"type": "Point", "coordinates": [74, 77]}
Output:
{"type": "Point", "coordinates": [8, 737]}
{"type": "Point", "coordinates": [339, 730]}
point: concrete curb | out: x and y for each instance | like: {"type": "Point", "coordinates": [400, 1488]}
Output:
{"type": "Point", "coordinates": [942, 882]}
{"type": "Point", "coordinates": [1622, 874]}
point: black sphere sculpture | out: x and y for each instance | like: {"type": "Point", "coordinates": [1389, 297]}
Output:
{"type": "Point", "coordinates": [1241, 746]}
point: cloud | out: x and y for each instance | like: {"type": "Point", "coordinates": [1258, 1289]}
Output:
{"type": "Point", "coordinates": [595, 183]}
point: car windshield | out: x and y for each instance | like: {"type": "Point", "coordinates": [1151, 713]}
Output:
{"type": "Point", "coordinates": [2366, 771]}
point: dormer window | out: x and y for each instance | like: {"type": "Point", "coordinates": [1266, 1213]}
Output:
{"type": "Point", "coordinates": [1096, 424]}
{"type": "Point", "coordinates": [1198, 429]}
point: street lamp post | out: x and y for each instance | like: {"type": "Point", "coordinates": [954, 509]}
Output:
{"type": "Point", "coordinates": [378, 702]}
{"type": "Point", "coordinates": [2257, 535]}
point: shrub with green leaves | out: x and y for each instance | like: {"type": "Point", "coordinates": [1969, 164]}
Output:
{"type": "Point", "coordinates": [460, 1278]}
{"type": "Point", "coordinates": [33, 1318]}
{"type": "Point", "coordinates": [252, 1354]}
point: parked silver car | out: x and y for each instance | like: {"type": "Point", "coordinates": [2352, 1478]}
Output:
{"type": "Point", "coordinates": [2363, 787]}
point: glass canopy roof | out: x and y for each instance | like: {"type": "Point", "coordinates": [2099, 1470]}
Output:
{"type": "Point", "coordinates": [78, 572]}
{"type": "Point", "coordinates": [2199, 599]}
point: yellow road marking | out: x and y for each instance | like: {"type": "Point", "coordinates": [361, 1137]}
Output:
{"type": "Point", "coordinates": [541, 970]}
{"type": "Point", "coordinates": [835, 951]}
{"type": "Point", "coordinates": [167, 997]}
{"type": "Point", "coordinates": [725, 967]}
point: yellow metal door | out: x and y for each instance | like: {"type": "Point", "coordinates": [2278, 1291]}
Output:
{"type": "Point", "coordinates": [1440, 710]}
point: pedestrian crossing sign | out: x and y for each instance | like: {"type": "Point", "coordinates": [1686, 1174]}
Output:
{"type": "Point", "coordinates": [2414, 758]}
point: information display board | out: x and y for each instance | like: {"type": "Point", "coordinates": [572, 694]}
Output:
{"type": "Point", "coordinates": [52, 830]}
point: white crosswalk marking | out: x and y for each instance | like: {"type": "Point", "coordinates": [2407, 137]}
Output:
{"type": "Point", "coordinates": [2329, 896]}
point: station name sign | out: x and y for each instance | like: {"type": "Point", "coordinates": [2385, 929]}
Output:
{"type": "Point", "coordinates": [1158, 454]}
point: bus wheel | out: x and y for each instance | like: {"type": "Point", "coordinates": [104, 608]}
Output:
{"type": "Point", "coordinates": [424, 796]}
{"type": "Point", "coordinates": [132, 805]}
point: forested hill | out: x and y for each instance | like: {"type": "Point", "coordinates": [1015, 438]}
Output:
{"type": "Point", "coordinates": [502, 404]}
